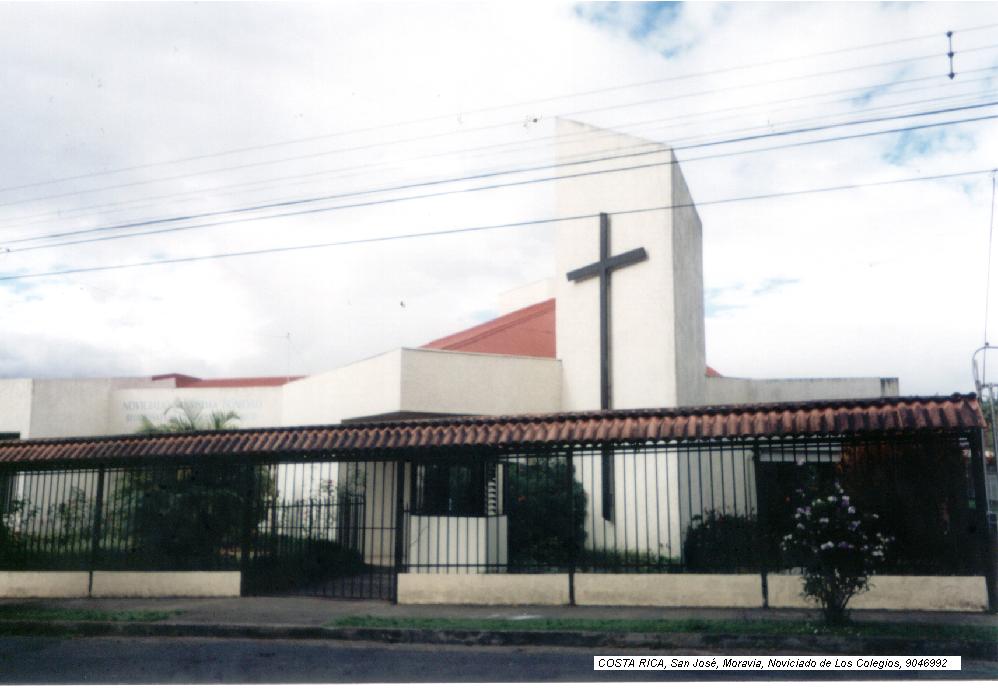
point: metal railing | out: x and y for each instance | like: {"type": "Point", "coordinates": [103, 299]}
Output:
{"type": "Point", "coordinates": [346, 526]}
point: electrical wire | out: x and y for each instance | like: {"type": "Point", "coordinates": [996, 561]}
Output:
{"type": "Point", "coordinates": [368, 146]}
{"type": "Point", "coordinates": [330, 197]}
{"type": "Point", "coordinates": [480, 228]}
{"type": "Point", "coordinates": [548, 99]}
{"type": "Point", "coordinates": [301, 178]}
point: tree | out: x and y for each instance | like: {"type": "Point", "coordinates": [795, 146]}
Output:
{"type": "Point", "coordinates": [195, 515]}
{"type": "Point", "coordinates": [836, 547]}
{"type": "Point", "coordinates": [187, 416]}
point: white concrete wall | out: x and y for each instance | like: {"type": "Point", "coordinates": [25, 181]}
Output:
{"type": "Point", "coordinates": [43, 584]}
{"type": "Point", "coordinates": [646, 520]}
{"type": "Point", "coordinates": [446, 382]}
{"type": "Point", "coordinates": [687, 271]}
{"type": "Point", "coordinates": [109, 583]}
{"type": "Point", "coordinates": [70, 407]}
{"type": "Point", "coordinates": [497, 589]}
{"type": "Point", "coordinates": [731, 391]}
{"type": "Point", "coordinates": [256, 407]}
{"type": "Point", "coordinates": [15, 406]}
{"type": "Point", "coordinates": [895, 592]}
{"type": "Point", "coordinates": [362, 389]}
{"type": "Point", "coordinates": [451, 544]}
{"type": "Point", "coordinates": [644, 299]}
{"type": "Point", "coordinates": [736, 591]}
{"type": "Point", "coordinates": [380, 496]}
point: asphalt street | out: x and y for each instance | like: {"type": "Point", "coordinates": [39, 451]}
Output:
{"type": "Point", "coordinates": [25, 660]}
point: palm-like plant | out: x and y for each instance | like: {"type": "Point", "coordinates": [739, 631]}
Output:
{"type": "Point", "coordinates": [187, 415]}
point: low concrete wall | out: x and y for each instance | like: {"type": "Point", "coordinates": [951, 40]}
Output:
{"type": "Point", "coordinates": [740, 591]}
{"type": "Point", "coordinates": [30, 584]}
{"type": "Point", "coordinates": [165, 584]}
{"type": "Point", "coordinates": [897, 592]}
{"type": "Point", "coordinates": [493, 589]}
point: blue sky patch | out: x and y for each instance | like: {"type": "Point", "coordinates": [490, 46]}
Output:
{"type": "Point", "coordinates": [639, 19]}
{"type": "Point", "coordinates": [909, 145]}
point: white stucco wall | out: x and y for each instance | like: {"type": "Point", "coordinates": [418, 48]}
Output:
{"type": "Point", "coordinates": [730, 391]}
{"type": "Point", "coordinates": [493, 589]}
{"type": "Point", "coordinates": [361, 389]}
{"type": "Point", "coordinates": [256, 407]}
{"type": "Point", "coordinates": [76, 407]}
{"type": "Point", "coordinates": [15, 406]}
{"type": "Point", "coordinates": [644, 299]}
{"type": "Point", "coordinates": [448, 544]}
{"type": "Point", "coordinates": [687, 271]}
{"type": "Point", "coordinates": [446, 382]}
{"type": "Point", "coordinates": [894, 592]}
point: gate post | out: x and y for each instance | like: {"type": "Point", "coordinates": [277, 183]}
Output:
{"type": "Point", "coordinates": [573, 556]}
{"type": "Point", "coordinates": [96, 533]}
{"type": "Point", "coordinates": [246, 537]}
{"type": "Point", "coordinates": [986, 540]}
{"type": "Point", "coordinates": [400, 532]}
{"type": "Point", "coordinates": [760, 522]}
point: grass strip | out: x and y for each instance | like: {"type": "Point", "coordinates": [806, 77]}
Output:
{"type": "Point", "coordinates": [855, 630]}
{"type": "Point", "coordinates": [40, 613]}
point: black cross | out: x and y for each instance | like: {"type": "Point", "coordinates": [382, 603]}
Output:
{"type": "Point", "coordinates": [601, 269]}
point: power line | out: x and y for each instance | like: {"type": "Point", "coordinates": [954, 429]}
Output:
{"type": "Point", "coordinates": [354, 168]}
{"type": "Point", "coordinates": [548, 99]}
{"type": "Point", "coordinates": [287, 214]}
{"type": "Point", "coordinates": [480, 228]}
{"type": "Point", "coordinates": [425, 137]}
{"type": "Point", "coordinates": [330, 197]}
{"type": "Point", "coordinates": [987, 288]}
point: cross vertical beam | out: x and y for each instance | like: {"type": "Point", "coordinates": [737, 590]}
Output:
{"type": "Point", "coordinates": [602, 269]}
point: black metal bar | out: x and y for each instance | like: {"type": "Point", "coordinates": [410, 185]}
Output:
{"type": "Point", "coordinates": [249, 509]}
{"type": "Point", "coordinates": [986, 539]}
{"type": "Point", "coordinates": [761, 526]}
{"type": "Point", "coordinates": [95, 540]}
{"type": "Point", "coordinates": [401, 536]}
{"type": "Point", "coordinates": [573, 556]}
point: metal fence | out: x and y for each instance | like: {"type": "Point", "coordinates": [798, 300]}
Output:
{"type": "Point", "coordinates": [346, 526]}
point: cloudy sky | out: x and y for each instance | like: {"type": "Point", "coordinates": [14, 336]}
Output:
{"type": "Point", "coordinates": [120, 114]}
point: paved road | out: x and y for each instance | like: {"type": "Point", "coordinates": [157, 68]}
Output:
{"type": "Point", "coordinates": [189, 660]}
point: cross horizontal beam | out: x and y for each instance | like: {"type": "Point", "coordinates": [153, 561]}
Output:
{"type": "Point", "coordinates": [596, 268]}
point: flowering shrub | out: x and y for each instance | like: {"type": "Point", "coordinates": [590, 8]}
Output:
{"type": "Point", "coordinates": [837, 549]}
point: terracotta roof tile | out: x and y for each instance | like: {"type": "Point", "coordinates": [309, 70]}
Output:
{"type": "Point", "coordinates": [836, 417]}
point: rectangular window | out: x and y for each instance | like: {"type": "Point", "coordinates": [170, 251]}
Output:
{"type": "Point", "coordinates": [456, 488]}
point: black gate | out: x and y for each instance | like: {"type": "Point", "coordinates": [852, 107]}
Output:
{"type": "Point", "coordinates": [322, 529]}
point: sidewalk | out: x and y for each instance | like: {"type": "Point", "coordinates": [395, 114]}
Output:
{"type": "Point", "coordinates": [312, 618]}
{"type": "Point", "coordinates": [310, 611]}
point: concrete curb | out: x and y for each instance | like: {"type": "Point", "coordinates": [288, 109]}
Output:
{"type": "Point", "coordinates": [719, 642]}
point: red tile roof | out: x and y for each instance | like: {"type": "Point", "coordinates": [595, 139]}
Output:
{"type": "Point", "coordinates": [185, 381]}
{"type": "Point", "coordinates": [800, 419]}
{"type": "Point", "coordinates": [528, 331]}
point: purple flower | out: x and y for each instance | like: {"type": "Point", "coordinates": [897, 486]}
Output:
{"type": "Point", "coordinates": [845, 545]}
{"type": "Point", "coordinates": [852, 510]}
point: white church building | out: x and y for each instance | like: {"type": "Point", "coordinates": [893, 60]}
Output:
{"type": "Point", "coordinates": [618, 325]}
{"type": "Point", "coordinates": [543, 354]}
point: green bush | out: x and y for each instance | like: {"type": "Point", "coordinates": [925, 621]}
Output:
{"type": "Point", "coordinates": [544, 532]}
{"type": "Point", "coordinates": [718, 543]}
